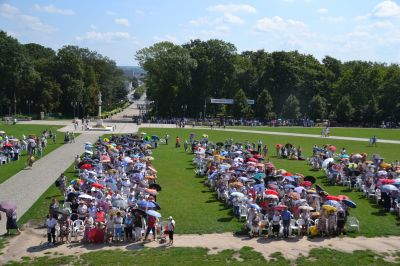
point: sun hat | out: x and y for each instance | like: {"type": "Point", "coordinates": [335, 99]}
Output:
{"type": "Point", "coordinates": [170, 218]}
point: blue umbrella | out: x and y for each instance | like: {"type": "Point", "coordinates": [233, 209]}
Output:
{"type": "Point", "coordinates": [389, 188]}
{"type": "Point", "coordinates": [155, 137]}
{"type": "Point", "coordinates": [349, 203]}
{"type": "Point", "coordinates": [153, 213]}
{"type": "Point", "coordinates": [333, 203]}
{"type": "Point", "coordinates": [259, 176]}
{"type": "Point", "coordinates": [255, 206]}
{"type": "Point", "coordinates": [289, 186]}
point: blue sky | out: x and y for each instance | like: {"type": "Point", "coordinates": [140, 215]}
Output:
{"type": "Point", "coordinates": [345, 29]}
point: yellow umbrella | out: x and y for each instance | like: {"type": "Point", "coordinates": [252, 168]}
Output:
{"type": "Point", "coordinates": [329, 208]}
{"type": "Point", "coordinates": [106, 140]}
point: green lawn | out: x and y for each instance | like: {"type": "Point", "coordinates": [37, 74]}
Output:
{"type": "Point", "coordinates": [390, 134]}
{"type": "Point", "coordinates": [10, 169]}
{"type": "Point", "coordinates": [196, 209]}
{"type": "Point", "coordinates": [200, 256]}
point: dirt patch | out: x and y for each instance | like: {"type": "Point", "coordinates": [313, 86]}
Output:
{"type": "Point", "coordinates": [31, 243]}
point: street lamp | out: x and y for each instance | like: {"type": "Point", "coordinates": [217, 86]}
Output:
{"type": "Point", "coordinates": [184, 108]}
{"type": "Point", "coordinates": [74, 105]}
{"type": "Point", "coordinates": [29, 102]}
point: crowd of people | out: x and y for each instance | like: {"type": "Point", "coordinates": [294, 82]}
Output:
{"type": "Point", "coordinates": [115, 197]}
{"type": "Point", "coordinates": [273, 201]}
{"type": "Point", "coordinates": [11, 148]}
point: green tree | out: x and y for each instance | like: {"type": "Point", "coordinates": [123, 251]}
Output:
{"type": "Point", "coordinates": [291, 108]}
{"type": "Point", "coordinates": [317, 107]}
{"type": "Point", "coordinates": [264, 105]}
{"type": "Point", "coordinates": [344, 110]}
{"type": "Point", "coordinates": [371, 112]}
{"type": "Point", "coordinates": [240, 108]}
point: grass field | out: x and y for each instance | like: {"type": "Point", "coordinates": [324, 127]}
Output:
{"type": "Point", "coordinates": [200, 256]}
{"type": "Point", "coordinates": [390, 134]}
{"type": "Point", "coordinates": [10, 169]}
{"type": "Point", "coordinates": [197, 209]}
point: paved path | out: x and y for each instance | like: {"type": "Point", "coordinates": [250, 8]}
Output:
{"type": "Point", "coordinates": [299, 135]}
{"type": "Point", "coordinates": [27, 186]}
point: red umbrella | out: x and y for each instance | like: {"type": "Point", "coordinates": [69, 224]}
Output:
{"type": "Point", "coordinates": [254, 160]}
{"type": "Point", "coordinates": [8, 145]}
{"type": "Point", "coordinates": [97, 185]}
{"type": "Point", "coordinates": [332, 148]}
{"type": "Point", "coordinates": [287, 174]}
{"type": "Point", "coordinates": [271, 192]}
{"type": "Point", "coordinates": [269, 165]}
{"type": "Point", "coordinates": [280, 207]}
{"type": "Point", "coordinates": [331, 197]}
{"type": "Point", "coordinates": [86, 166]}
{"type": "Point", "coordinates": [387, 181]}
{"type": "Point", "coordinates": [306, 184]}
{"type": "Point", "coordinates": [258, 156]}
{"type": "Point", "coordinates": [278, 146]}
{"type": "Point", "coordinates": [343, 197]}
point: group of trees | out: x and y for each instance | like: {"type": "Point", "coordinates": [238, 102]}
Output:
{"type": "Point", "coordinates": [181, 80]}
{"type": "Point", "coordinates": [35, 78]}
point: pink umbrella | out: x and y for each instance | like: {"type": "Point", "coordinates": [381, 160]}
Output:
{"type": "Point", "coordinates": [7, 206]}
{"type": "Point", "coordinates": [332, 148]}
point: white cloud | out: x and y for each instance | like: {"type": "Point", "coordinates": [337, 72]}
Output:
{"type": "Point", "coordinates": [387, 9]}
{"type": "Point", "coordinates": [333, 19]}
{"type": "Point", "coordinates": [361, 18]}
{"type": "Point", "coordinates": [122, 21]}
{"type": "Point", "coordinates": [278, 24]}
{"type": "Point", "coordinates": [229, 18]}
{"type": "Point", "coordinates": [139, 12]}
{"type": "Point", "coordinates": [200, 21]}
{"type": "Point", "coordinates": [103, 36]}
{"type": "Point", "coordinates": [28, 22]}
{"type": "Point", "coordinates": [110, 13]}
{"type": "Point", "coordinates": [322, 11]}
{"type": "Point", "coordinates": [233, 8]}
{"type": "Point", "coordinates": [165, 38]}
{"type": "Point", "coordinates": [54, 10]}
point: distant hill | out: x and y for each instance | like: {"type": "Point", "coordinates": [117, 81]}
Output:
{"type": "Point", "coordinates": [129, 71]}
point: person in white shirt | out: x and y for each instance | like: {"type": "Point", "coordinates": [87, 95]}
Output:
{"type": "Point", "coordinates": [118, 227]}
{"type": "Point", "coordinates": [51, 229]}
{"type": "Point", "coordinates": [171, 229]}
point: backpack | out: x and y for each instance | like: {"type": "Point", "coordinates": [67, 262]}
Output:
{"type": "Point", "coordinates": [57, 183]}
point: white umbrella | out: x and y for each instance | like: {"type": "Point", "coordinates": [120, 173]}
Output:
{"type": "Point", "coordinates": [85, 196]}
{"type": "Point", "coordinates": [308, 208]}
{"type": "Point", "coordinates": [271, 196]}
{"type": "Point", "coordinates": [237, 194]}
{"type": "Point", "coordinates": [299, 189]}
{"type": "Point", "coordinates": [89, 152]}
{"type": "Point", "coordinates": [88, 143]}
{"type": "Point", "coordinates": [326, 162]}
{"type": "Point", "coordinates": [128, 159]}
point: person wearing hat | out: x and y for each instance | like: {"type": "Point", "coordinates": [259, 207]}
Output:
{"type": "Point", "coordinates": [171, 229]}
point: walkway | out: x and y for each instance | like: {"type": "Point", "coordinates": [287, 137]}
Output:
{"type": "Point", "coordinates": [27, 186]}
{"type": "Point", "coordinates": [299, 135]}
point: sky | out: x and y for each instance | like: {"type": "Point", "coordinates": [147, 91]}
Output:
{"type": "Point", "coordinates": [345, 29]}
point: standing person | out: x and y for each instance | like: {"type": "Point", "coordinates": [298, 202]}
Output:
{"type": "Point", "coordinates": [118, 226]}
{"type": "Point", "coordinates": [40, 150]}
{"type": "Point", "coordinates": [265, 150]}
{"type": "Point", "coordinates": [259, 146]}
{"type": "Point", "coordinates": [286, 217]}
{"type": "Point", "coordinates": [171, 230]}
{"type": "Point", "coordinates": [73, 137]}
{"type": "Point", "coordinates": [186, 145]}
{"type": "Point", "coordinates": [166, 138]}
{"type": "Point", "coordinates": [275, 223]}
{"type": "Point", "coordinates": [138, 227]}
{"type": "Point", "coordinates": [151, 226]}
{"type": "Point", "coordinates": [11, 221]}
{"type": "Point", "coordinates": [51, 229]}
{"type": "Point", "coordinates": [128, 227]}
{"type": "Point", "coordinates": [62, 183]}
{"type": "Point", "coordinates": [327, 131]}
{"type": "Point", "coordinates": [54, 138]}
{"type": "Point", "coordinates": [177, 142]}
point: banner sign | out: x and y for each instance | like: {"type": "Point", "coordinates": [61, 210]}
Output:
{"type": "Point", "coordinates": [229, 101]}
{"type": "Point", "coordinates": [223, 101]}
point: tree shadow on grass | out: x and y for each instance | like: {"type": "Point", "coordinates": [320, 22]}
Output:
{"type": "Point", "coordinates": [380, 212]}
{"type": "Point", "coordinates": [225, 219]}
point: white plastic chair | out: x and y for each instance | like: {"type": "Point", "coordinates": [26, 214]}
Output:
{"type": "Point", "coordinates": [243, 212]}
{"type": "Point", "coordinates": [294, 227]}
{"type": "Point", "coordinates": [353, 224]}
{"type": "Point", "coordinates": [77, 229]}
{"type": "Point", "coordinates": [377, 196]}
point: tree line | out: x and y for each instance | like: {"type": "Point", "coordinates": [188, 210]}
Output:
{"type": "Point", "coordinates": [35, 78]}
{"type": "Point", "coordinates": [181, 80]}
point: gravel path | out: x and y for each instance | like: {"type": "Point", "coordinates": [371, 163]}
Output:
{"type": "Point", "coordinates": [31, 243]}
{"type": "Point", "coordinates": [300, 135]}
{"type": "Point", "coordinates": [28, 185]}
